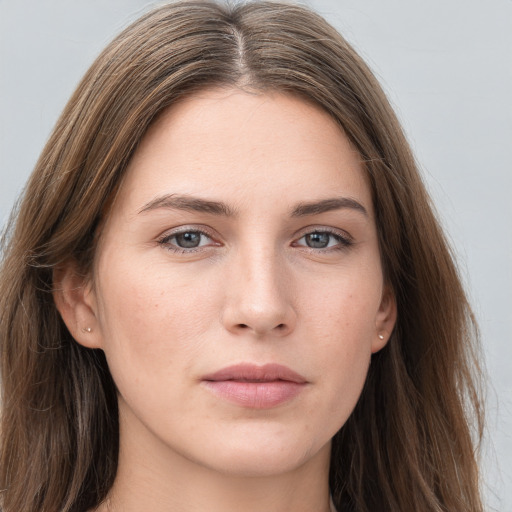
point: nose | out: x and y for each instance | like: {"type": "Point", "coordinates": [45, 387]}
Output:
{"type": "Point", "coordinates": [259, 295]}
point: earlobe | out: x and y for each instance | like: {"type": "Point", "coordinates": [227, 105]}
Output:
{"type": "Point", "coordinates": [75, 301]}
{"type": "Point", "coordinates": [385, 320]}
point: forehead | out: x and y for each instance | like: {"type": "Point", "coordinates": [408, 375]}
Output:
{"type": "Point", "coordinates": [247, 148]}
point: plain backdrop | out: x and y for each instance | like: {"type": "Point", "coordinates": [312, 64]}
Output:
{"type": "Point", "coordinates": [447, 68]}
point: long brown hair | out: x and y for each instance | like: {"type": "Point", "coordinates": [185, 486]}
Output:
{"type": "Point", "coordinates": [409, 444]}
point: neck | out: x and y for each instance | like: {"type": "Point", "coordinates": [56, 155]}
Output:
{"type": "Point", "coordinates": [159, 479]}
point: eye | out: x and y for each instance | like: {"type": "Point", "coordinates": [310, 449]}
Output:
{"type": "Point", "coordinates": [186, 240]}
{"type": "Point", "coordinates": [324, 240]}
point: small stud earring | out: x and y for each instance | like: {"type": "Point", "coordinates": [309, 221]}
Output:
{"type": "Point", "coordinates": [381, 336]}
{"type": "Point", "coordinates": [87, 329]}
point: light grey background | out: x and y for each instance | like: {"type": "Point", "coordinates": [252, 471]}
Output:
{"type": "Point", "coordinates": [447, 68]}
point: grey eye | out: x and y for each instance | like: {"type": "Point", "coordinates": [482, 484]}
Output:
{"type": "Point", "coordinates": [188, 239]}
{"type": "Point", "coordinates": [323, 240]}
{"type": "Point", "coordinates": [317, 240]}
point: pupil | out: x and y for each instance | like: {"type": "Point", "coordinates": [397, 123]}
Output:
{"type": "Point", "coordinates": [188, 240]}
{"type": "Point", "coordinates": [317, 240]}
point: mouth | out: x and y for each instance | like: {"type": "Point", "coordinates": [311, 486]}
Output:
{"type": "Point", "coordinates": [255, 387]}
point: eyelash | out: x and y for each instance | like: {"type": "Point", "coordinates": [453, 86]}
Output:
{"type": "Point", "coordinates": [165, 240]}
{"type": "Point", "coordinates": [344, 241]}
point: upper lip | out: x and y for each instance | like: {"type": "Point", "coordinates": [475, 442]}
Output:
{"type": "Point", "coordinates": [248, 372]}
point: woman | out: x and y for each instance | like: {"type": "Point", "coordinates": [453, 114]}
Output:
{"type": "Point", "coordinates": [226, 289]}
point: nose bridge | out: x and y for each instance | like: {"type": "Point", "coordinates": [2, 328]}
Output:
{"type": "Point", "coordinates": [259, 294]}
{"type": "Point", "coordinates": [262, 271]}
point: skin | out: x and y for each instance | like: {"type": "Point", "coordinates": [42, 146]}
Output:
{"type": "Point", "coordinates": [252, 291]}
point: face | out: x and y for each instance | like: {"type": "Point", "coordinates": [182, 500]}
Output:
{"type": "Point", "coordinates": [237, 292]}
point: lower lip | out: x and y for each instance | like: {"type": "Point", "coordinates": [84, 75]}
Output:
{"type": "Point", "coordinates": [255, 395]}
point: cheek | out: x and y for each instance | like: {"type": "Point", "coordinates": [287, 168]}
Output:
{"type": "Point", "coordinates": [346, 305]}
{"type": "Point", "coordinates": [345, 346]}
{"type": "Point", "coordinates": [341, 322]}
{"type": "Point", "coordinates": [153, 322]}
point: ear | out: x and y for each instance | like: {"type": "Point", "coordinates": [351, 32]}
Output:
{"type": "Point", "coordinates": [75, 300]}
{"type": "Point", "coordinates": [385, 319]}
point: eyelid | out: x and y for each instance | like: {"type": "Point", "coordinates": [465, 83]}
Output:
{"type": "Point", "coordinates": [345, 238]}
{"type": "Point", "coordinates": [164, 238]}
{"type": "Point", "coordinates": [324, 229]}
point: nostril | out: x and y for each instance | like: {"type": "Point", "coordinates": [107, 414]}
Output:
{"type": "Point", "coordinates": [279, 327]}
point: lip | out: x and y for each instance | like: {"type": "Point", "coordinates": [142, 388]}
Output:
{"type": "Point", "coordinates": [254, 386]}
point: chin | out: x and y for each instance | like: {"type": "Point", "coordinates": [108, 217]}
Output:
{"type": "Point", "coordinates": [255, 464]}
{"type": "Point", "coordinates": [264, 456]}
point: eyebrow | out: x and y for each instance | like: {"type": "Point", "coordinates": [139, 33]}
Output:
{"type": "Point", "coordinates": [188, 203]}
{"type": "Point", "coordinates": [327, 205]}
{"type": "Point", "coordinates": [196, 204]}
